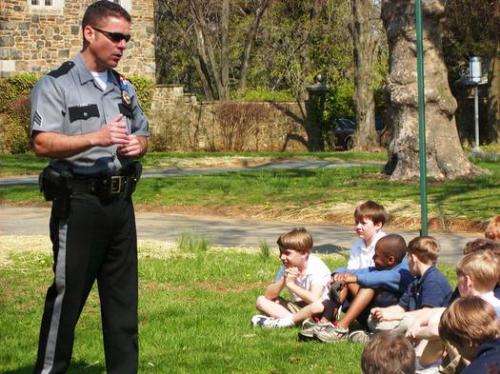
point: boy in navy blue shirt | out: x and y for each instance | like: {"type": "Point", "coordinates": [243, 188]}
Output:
{"type": "Point", "coordinates": [430, 289]}
{"type": "Point", "coordinates": [470, 324]}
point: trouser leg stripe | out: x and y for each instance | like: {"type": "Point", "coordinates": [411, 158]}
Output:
{"type": "Point", "coordinates": [60, 281]}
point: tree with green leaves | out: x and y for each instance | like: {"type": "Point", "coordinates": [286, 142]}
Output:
{"type": "Point", "coordinates": [202, 29]}
{"type": "Point", "coordinates": [472, 28]}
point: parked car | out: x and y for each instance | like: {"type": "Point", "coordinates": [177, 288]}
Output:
{"type": "Point", "coordinates": [343, 132]}
{"type": "Point", "coordinates": [344, 128]}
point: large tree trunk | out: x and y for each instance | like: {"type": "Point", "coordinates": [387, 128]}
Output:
{"type": "Point", "coordinates": [494, 96]}
{"type": "Point", "coordinates": [445, 156]}
{"type": "Point", "coordinates": [364, 46]}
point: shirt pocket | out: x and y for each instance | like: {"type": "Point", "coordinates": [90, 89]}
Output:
{"type": "Point", "coordinates": [83, 119]}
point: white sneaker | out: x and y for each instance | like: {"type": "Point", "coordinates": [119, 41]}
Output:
{"type": "Point", "coordinates": [258, 320]}
{"type": "Point", "coordinates": [277, 323]}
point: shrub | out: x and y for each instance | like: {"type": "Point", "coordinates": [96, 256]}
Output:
{"type": "Point", "coordinates": [144, 88]}
{"type": "Point", "coordinates": [15, 112]}
{"type": "Point", "coordinates": [237, 121]}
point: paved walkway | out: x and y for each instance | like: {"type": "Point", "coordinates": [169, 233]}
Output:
{"type": "Point", "coordinates": [223, 232]}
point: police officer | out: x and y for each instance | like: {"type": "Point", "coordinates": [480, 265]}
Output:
{"type": "Point", "coordinates": [86, 119]}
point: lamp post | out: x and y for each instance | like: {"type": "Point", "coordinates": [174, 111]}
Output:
{"type": "Point", "coordinates": [475, 79]}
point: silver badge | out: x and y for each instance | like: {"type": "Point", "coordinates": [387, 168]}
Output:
{"type": "Point", "coordinates": [126, 98]}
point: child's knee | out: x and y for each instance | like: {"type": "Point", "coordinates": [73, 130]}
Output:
{"type": "Point", "coordinates": [317, 307]}
{"type": "Point", "coordinates": [261, 301]}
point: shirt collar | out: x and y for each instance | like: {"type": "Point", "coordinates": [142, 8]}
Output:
{"type": "Point", "coordinates": [426, 274]}
{"type": "Point", "coordinates": [84, 72]}
{"type": "Point", "coordinates": [82, 69]}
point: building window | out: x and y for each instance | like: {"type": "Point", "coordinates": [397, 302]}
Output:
{"type": "Point", "coordinates": [46, 7]}
{"type": "Point", "coordinates": [42, 2]}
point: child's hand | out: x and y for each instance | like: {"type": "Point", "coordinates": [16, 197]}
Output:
{"type": "Point", "coordinates": [291, 275]}
{"type": "Point", "coordinates": [345, 278]}
{"type": "Point", "coordinates": [377, 313]}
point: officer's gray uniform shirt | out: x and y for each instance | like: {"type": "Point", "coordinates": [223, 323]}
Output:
{"type": "Point", "coordinates": [69, 101]}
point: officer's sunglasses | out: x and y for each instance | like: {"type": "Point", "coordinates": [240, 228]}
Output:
{"type": "Point", "coordinates": [116, 37]}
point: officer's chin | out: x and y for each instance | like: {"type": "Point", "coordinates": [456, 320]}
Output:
{"type": "Point", "coordinates": [113, 63]}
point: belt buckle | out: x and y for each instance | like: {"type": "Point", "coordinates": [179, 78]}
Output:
{"type": "Point", "coordinates": [116, 184]}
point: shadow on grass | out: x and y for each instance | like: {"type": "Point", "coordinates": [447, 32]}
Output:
{"type": "Point", "coordinates": [331, 249]}
{"type": "Point", "coordinates": [75, 367]}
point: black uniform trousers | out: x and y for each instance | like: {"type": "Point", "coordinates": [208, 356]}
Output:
{"type": "Point", "coordinates": [97, 241]}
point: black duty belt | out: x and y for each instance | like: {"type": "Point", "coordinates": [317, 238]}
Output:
{"type": "Point", "coordinates": [113, 185]}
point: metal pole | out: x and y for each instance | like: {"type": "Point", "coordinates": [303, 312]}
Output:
{"type": "Point", "coordinates": [476, 117]}
{"type": "Point", "coordinates": [421, 120]}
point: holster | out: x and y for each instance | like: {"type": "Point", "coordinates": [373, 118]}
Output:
{"type": "Point", "coordinates": [56, 187]}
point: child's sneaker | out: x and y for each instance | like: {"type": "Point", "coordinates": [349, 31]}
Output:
{"type": "Point", "coordinates": [277, 323]}
{"type": "Point", "coordinates": [360, 336]}
{"type": "Point", "coordinates": [310, 330]}
{"type": "Point", "coordinates": [332, 333]}
{"type": "Point", "coordinates": [258, 320]}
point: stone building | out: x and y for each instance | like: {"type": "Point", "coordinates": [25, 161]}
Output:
{"type": "Point", "coordinates": [39, 35]}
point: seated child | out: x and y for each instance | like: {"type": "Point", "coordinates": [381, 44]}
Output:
{"type": "Point", "coordinates": [303, 274]}
{"type": "Point", "coordinates": [477, 275]}
{"type": "Point", "coordinates": [493, 229]}
{"type": "Point", "coordinates": [369, 217]}
{"type": "Point", "coordinates": [430, 289]}
{"type": "Point", "coordinates": [472, 327]}
{"type": "Point", "coordinates": [388, 354]}
{"type": "Point", "coordinates": [380, 285]}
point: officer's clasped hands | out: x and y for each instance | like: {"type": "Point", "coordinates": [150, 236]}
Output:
{"type": "Point", "coordinates": [132, 148]}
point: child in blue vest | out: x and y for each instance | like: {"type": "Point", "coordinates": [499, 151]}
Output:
{"type": "Point", "coordinates": [380, 285]}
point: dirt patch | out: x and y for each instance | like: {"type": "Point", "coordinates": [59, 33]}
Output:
{"type": "Point", "coordinates": [402, 215]}
{"type": "Point", "coordinates": [212, 162]}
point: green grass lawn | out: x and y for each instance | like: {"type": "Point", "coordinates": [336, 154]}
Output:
{"type": "Point", "coordinates": [309, 193]}
{"type": "Point", "coordinates": [29, 164]}
{"type": "Point", "coordinates": [195, 309]}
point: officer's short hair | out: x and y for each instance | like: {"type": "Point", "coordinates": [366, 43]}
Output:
{"type": "Point", "coordinates": [102, 9]}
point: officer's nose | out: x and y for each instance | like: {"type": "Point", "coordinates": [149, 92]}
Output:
{"type": "Point", "coordinates": [122, 44]}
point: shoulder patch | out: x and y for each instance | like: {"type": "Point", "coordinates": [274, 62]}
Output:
{"type": "Point", "coordinates": [63, 69]}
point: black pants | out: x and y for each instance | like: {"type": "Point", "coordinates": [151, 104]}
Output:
{"type": "Point", "coordinates": [97, 241]}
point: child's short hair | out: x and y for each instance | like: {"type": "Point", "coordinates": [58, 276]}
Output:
{"type": "Point", "coordinates": [482, 266]}
{"type": "Point", "coordinates": [493, 229]}
{"type": "Point", "coordinates": [426, 248]}
{"type": "Point", "coordinates": [469, 320]}
{"type": "Point", "coordinates": [387, 353]}
{"type": "Point", "coordinates": [371, 210]}
{"type": "Point", "coordinates": [392, 245]}
{"type": "Point", "coordinates": [298, 239]}
{"type": "Point", "coordinates": [482, 244]}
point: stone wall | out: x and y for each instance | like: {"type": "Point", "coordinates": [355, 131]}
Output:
{"type": "Point", "coordinates": [38, 39]}
{"type": "Point", "coordinates": [180, 123]}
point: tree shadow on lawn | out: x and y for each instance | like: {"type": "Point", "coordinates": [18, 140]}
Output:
{"type": "Point", "coordinates": [75, 367]}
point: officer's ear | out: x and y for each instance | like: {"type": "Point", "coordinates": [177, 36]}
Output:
{"type": "Point", "coordinates": [88, 34]}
